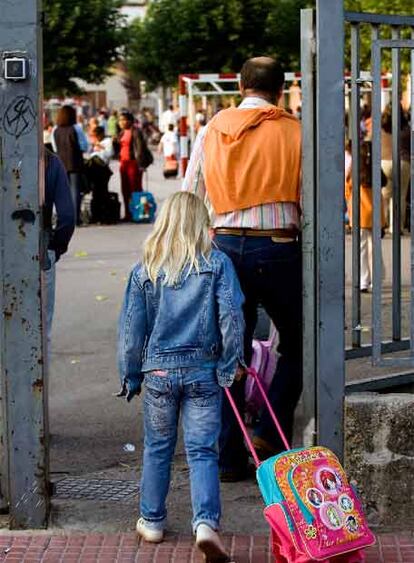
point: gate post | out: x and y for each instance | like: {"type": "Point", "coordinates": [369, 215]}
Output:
{"type": "Point", "coordinates": [307, 63]}
{"type": "Point", "coordinates": [330, 251]}
{"type": "Point", "coordinates": [23, 382]}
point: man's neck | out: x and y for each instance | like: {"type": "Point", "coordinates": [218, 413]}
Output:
{"type": "Point", "coordinates": [255, 94]}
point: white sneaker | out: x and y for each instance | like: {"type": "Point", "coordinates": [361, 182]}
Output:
{"type": "Point", "coordinates": [149, 534]}
{"type": "Point", "coordinates": [209, 542]}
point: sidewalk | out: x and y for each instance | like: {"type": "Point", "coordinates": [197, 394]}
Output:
{"type": "Point", "coordinates": [123, 548]}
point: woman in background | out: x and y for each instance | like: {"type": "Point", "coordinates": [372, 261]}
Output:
{"type": "Point", "coordinates": [134, 157]}
{"type": "Point", "coordinates": [69, 142]}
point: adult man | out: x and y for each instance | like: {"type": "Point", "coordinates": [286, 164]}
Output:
{"type": "Point", "coordinates": [246, 163]}
{"type": "Point", "coordinates": [58, 196]}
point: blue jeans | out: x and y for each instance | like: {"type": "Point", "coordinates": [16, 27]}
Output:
{"type": "Point", "coordinates": [196, 394]}
{"type": "Point", "coordinates": [270, 275]}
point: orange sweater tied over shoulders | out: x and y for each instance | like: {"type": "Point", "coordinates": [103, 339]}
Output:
{"type": "Point", "coordinates": [252, 157]}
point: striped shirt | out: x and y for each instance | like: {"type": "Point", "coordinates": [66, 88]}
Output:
{"type": "Point", "coordinates": [283, 215]}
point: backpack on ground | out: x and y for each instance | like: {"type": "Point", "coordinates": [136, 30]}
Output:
{"type": "Point", "coordinates": [313, 511]}
{"type": "Point", "coordinates": [142, 207]}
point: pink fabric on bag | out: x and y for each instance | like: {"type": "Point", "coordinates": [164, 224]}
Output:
{"type": "Point", "coordinates": [264, 361]}
{"type": "Point", "coordinates": [285, 548]}
{"type": "Point", "coordinates": [318, 516]}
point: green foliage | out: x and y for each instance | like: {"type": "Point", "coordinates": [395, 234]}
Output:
{"type": "Point", "coordinates": [401, 7]}
{"type": "Point", "coordinates": [81, 38]}
{"type": "Point", "coordinates": [191, 36]}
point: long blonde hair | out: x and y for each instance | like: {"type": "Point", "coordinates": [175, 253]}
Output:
{"type": "Point", "coordinates": [180, 236]}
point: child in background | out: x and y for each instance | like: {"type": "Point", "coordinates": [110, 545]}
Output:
{"type": "Point", "coordinates": [169, 148]}
{"type": "Point", "coordinates": [366, 212]}
{"type": "Point", "coordinates": [181, 334]}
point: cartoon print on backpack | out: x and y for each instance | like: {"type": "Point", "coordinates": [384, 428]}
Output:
{"type": "Point", "coordinates": [346, 503]}
{"type": "Point", "coordinates": [351, 524]}
{"type": "Point", "coordinates": [327, 479]}
{"type": "Point", "coordinates": [331, 516]}
{"type": "Point", "coordinates": [315, 497]}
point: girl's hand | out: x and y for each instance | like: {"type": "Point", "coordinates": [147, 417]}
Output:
{"type": "Point", "coordinates": [240, 373]}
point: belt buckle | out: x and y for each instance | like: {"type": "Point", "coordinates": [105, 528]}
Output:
{"type": "Point", "coordinates": [282, 239]}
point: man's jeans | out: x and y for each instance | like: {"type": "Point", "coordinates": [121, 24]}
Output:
{"type": "Point", "coordinates": [270, 274]}
{"type": "Point", "coordinates": [196, 394]}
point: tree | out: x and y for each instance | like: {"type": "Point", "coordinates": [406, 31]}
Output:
{"type": "Point", "coordinates": [190, 36]}
{"type": "Point", "coordinates": [81, 39]}
{"type": "Point", "coordinates": [402, 7]}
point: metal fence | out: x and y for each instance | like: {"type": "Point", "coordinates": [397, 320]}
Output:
{"type": "Point", "coordinates": [381, 26]}
{"type": "Point", "coordinates": [326, 33]}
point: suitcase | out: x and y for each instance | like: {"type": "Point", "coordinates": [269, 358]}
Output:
{"type": "Point", "coordinates": [313, 512]}
{"type": "Point", "coordinates": [170, 167]}
{"type": "Point", "coordinates": [111, 213]}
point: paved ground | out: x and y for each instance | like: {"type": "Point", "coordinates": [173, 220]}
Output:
{"type": "Point", "coordinates": [123, 548]}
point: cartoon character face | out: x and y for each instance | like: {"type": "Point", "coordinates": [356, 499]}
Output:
{"type": "Point", "coordinates": [351, 524]}
{"type": "Point", "coordinates": [315, 497]}
{"type": "Point", "coordinates": [329, 481]}
{"type": "Point", "coordinates": [346, 503]}
{"type": "Point", "coordinates": [331, 516]}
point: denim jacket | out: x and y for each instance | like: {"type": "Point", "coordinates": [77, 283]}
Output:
{"type": "Point", "coordinates": [198, 321]}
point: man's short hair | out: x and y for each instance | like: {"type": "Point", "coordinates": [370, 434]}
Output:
{"type": "Point", "coordinates": [99, 131]}
{"type": "Point", "coordinates": [263, 74]}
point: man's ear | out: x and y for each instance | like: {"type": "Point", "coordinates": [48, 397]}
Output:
{"type": "Point", "coordinates": [279, 94]}
{"type": "Point", "coordinates": [242, 88]}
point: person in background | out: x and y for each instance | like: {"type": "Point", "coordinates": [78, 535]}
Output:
{"type": "Point", "coordinates": [181, 335]}
{"type": "Point", "coordinates": [366, 123]}
{"type": "Point", "coordinates": [131, 148]}
{"type": "Point", "coordinates": [387, 164]}
{"type": "Point", "coordinates": [80, 120]}
{"type": "Point", "coordinates": [58, 197]}
{"type": "Point", "coordinates": [70, 142]}
{"type": "Point", "coordinates": [103, 147]}
{"type": "Point", "coordinates": [93, 123]}
{"type": "Point", "coordinates": [366, 212]}
{"type": "Point", "coordinates": [99, 173]}
{"type": "Point", "coordinates": [103, 120]}
{"type": "Point", "coordinates": [168, 118]}
{"type": "Point", "coordinates": [168, 144]}
{"type": "Point", "coordinates": [47, 135]}
{"type": "Point", "coordinates": [113, 127]}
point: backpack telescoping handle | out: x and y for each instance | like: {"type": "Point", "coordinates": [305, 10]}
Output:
{"type": "Point", "coordinates": [253, 373]}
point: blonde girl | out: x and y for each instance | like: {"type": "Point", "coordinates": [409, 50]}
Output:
{"type": "Point", "coordinates": [181, 335]}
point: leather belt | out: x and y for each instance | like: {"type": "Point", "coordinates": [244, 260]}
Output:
{"type": "Point", "coordinates": [286, 234]}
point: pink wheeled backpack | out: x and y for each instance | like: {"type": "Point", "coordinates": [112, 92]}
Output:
{"type": "Point", "coordinates": [313, 512]}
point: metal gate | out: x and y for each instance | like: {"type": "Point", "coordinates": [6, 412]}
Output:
{"type": "Point", "coordinates": [326, 33]}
